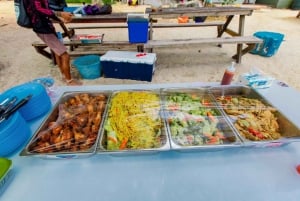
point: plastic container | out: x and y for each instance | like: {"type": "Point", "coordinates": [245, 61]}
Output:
{"type": "Point", "coordinates": [73, 9]}
{"type": "Point", "coordinates": [14, 132]}
{"type": "Point", "coordinates": [183, 19]}
{"type": "Point", "coordinates": [199, 19]}
{"type": "Point", "coordinates": [228, 75]}
{"type": "Point", "coordinates": [270, 45]}
{"type": "Point", "coordinates": [88, 66]}
{"type": "Point", "coordinates": [128, 65]}
{"type": "Point", "coordinates": [88, 38]}
{"type": "Point", "coordinates": [138, 28]}
{"type": "Point", "coordinates": [5, 173]}
{"type": "Point", "coordinates": [9, 125]}
{"type": "Point", "coordinates": [39, 103]}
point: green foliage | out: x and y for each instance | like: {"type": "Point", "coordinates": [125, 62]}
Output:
{"type": "Point", "coordinates": [227, 2]}
{"type": "Point", "coordinates": [105, 2]}
{"type": "Point", "coordinates": [108, 2]}
{"type": "Point", "coordinates": [79, 1]}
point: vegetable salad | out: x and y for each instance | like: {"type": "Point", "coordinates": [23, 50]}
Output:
{"type": "Point", "coordinates": [193, 120]}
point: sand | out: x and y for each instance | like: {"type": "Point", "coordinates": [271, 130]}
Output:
{"type": "Point", "coordinates": [19, 62]}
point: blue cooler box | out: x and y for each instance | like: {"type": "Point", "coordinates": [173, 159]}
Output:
{"type": "Point", "coordinates": [138, 27]}
{"type": "Point", "coordinates": [128, 65]}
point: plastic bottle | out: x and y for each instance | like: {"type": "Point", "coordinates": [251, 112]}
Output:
{"type": "Point", "coordinates": [228, 75]}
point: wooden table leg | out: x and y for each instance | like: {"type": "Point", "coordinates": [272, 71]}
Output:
{"type": "Point", "coordinates": [225, 26]}
{"type": "Point", "coordinates": [241, 33]}
{"type": "Point", "coordinates": [244, 51]}
{"type": "Point", "coordinates": [150, 37]}
{"type": "Point", "coordinates": [41, 50]}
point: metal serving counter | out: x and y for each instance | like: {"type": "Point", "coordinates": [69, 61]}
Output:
{"type": "Point", "coordinates": [231, 174]}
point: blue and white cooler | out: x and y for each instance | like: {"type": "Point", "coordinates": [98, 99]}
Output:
{"type": "Point", "coordinates": [128, 65]}
{"type": "Point", "coordinates": [138, 27]}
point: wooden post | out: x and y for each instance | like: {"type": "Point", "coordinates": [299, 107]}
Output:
{"type": "Point", "coordinates": [241, 33]}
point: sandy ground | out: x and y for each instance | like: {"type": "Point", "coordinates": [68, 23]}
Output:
{"type": "Point", "coordinates": [20, 63]}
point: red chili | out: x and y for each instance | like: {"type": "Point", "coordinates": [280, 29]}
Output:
{"type": "Point", "coordinates": [256, 133]}
{"type": "Point", "coordinates": [141, 54]}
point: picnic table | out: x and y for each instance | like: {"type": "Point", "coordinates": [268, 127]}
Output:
{"type": "Point", "coordinates": [118, 20]}
{"type": "Point", "coordinates": [228, 11]}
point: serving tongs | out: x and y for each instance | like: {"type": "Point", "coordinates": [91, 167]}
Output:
{"type": "Point", "coordinates": [7, 104]}
{"type": "Point", "coordinates": [9, 107]}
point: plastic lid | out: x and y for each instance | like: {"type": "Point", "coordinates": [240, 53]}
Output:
{"type": "Point", "coordinates": [137, 17]}
{"type": "Point", "coordinates": [129, 57]}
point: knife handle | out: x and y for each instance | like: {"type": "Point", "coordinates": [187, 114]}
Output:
{"type": "Point", "coordinates": [11, 110]}
{"type": "Point", "coordinates": [20, 104]}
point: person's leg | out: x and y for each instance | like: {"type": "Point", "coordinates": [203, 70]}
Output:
{"type": "Point", "coordinates": [58, 62]}
{"type": "Point", "coordinates": [62, 58]}
{"type": "Point", "coordinates": [65, 69]}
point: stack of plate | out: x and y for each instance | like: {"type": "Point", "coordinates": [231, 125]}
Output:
{"type": "Point", "coordinates": [39, 103]}
{"type": "Point", "coordinates": [13, 133]}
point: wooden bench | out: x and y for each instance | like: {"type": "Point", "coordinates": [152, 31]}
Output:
{"type": "Point", "coordinates": [98, 48]}
{"type": "Point", "coordinates": [156, 25]}
{"type": "Point", "coordinates": [250, 41]}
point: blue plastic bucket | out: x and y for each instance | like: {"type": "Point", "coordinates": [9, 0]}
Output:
{"type": "Point", "coordinates": [88, 66]}
{"type": "Point", "coordinates": [270, 45]}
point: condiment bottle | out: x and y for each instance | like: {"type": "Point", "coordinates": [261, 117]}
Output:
{"type": "Point", "coordinates": [228, 75]}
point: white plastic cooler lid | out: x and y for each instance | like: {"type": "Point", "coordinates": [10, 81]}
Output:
{"type": "Point", "coordinates": [129, 57]}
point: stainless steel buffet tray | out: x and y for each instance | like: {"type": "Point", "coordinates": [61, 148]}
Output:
{"type": "Point", "coordinates": [245, 106]}
{"type": "Point", "coordinates": [194, 120]}
{"type": "Point", "coordinates": [70, 130]}
{"type": "Point", "coordinates": [134, 116]}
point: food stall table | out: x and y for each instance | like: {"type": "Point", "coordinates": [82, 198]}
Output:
{"type": "Point", "coordinates": [230, 174]}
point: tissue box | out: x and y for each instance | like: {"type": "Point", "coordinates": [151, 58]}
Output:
{"type": "Point", "coordinates": [128, 65]}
